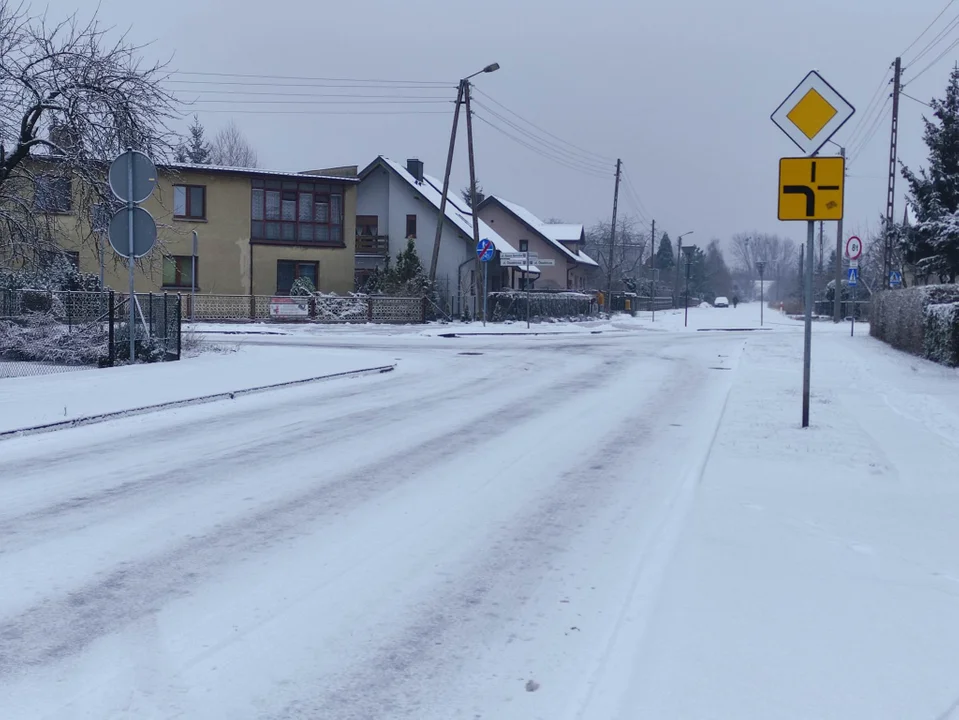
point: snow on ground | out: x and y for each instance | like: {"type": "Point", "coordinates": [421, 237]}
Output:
{"type": "Point", "coordinates": [30, 401]}
{"type": "Point", "coordinates": [592, 527]}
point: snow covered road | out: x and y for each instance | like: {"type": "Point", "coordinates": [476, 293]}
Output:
{"type": "Point", "coordinates": [553, 528]}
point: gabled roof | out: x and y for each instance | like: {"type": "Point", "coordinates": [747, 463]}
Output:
{"type": "Point", "coordinates": [431, 190]}
{"type": "Point", "coordinates": [554, 233]}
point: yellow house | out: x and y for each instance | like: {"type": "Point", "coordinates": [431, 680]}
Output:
{"type": "Point", "coordinates": [257, 231]}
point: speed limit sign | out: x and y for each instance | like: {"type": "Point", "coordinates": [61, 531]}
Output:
{"type": "Point", "coordinates": [853, 248]}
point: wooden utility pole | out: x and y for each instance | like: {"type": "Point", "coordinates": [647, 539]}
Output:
{"type": "Point", "coordinates": [893, 156]}
{"type": "Point", "coordinates": [446, 183]}
{"type": "Point", "coordinates": [612, 241]}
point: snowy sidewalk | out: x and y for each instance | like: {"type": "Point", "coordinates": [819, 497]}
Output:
{"type": "Point", "coordinates": [53, 398]}
{"type": "Point", "coordinates": [818, 575]}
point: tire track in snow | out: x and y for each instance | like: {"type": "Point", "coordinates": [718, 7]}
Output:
{"type": "Point", "coordinates": [514, 565]}
{"type": "Point", "coordinates": [66, 625]}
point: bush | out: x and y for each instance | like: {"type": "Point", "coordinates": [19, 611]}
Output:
{"type": "Point", "coordinates": [941, 341]}
{"type": "Point", "coordinates": [512, 305]}
{"type": "Point", "coordinates": [898, 317]}
{"type": "Point", "coordinates": [41, 338]}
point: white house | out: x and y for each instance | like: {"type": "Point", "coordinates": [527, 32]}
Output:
{"type": "Point", "coordinates": [396, 202]}
{"type": "Point", "coordinates": [560, 242]}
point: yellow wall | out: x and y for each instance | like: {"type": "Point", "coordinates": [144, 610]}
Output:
{"type": "Point", "coordinates": [224, 242]}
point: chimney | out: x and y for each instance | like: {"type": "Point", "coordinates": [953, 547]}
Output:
{"type": "Point", "coordinates": [415, 168]}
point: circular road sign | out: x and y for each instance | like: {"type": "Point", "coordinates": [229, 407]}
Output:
{"type": "Point", "coordinates": [144, 176]}
{"type": "Point", "coordinates": [853, 248]}
{"type": "Point", "coordinates": [485, 249]}
{"type": "Point", "coordinates": [144, 232]}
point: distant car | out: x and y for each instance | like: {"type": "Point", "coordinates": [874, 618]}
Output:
{"type": "Point", "coordinates": [721, 302]}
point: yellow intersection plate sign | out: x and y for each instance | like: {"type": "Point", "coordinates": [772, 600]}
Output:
{"type": "Point", "coordinates": [811, 188]}
{"type": "Point", "coordinates": [812, 113]}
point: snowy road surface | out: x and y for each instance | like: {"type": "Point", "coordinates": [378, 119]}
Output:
{"type": "Point", "coordinates": [618, 526]}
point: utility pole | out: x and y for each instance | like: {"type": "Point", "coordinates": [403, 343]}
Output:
{"type": "Point", "coordinates": [893, 156]}
{"type": "Point", "coordinates": [679, 254]}
{"type": "Point", "coordinates": [612, 241]}
{"type": "Point", "coordinates": [446, 183]}
{"type": "Point", "coordinates": [652, 269]}
{"type": "Point", "coordinates": [469, 145]}
{"type": "Point", "coordinates": [837, 305]}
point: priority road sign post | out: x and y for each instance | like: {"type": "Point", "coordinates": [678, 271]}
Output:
{"type": "Point", "coordinates": [811, 188]}
{"type": "Point", "coordinates": [485, 250]}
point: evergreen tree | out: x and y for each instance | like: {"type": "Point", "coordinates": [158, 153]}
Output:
{"type": "Point", "coordinates": [194, 149]}
{"type": "Point", "coordinates": [932, 245]}
{"type": "Point", "coordinates": [664, 256]}
{"type": "Point", "coordinates": [468, 196]}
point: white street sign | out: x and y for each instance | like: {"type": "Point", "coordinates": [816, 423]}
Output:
{"type": "Point", "coordinates": [517, 261]}
{"type": "Point", "coordinates": [544, 263]}
{"type": "Point", "coordinates": [854, 263]}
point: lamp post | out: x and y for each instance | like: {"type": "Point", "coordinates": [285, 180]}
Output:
{"type": "Point", "coordinates": [761, 267]}
{"type": "Point", "coordinates": [462, 96]}
{"type": "Point", "coordinates": [678, 254]}
{"type": "Point", "coordinates": [688, 252]}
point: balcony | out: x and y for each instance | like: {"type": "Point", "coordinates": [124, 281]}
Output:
{"type": "Point", "coordinates": [373, 245]}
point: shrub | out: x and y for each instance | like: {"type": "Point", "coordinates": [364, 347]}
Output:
{"type": "Point", "coordinates": [512, 305]}
{"type": "Point", "coordinates": [898, 317]}
{"type": "Point", "coordinates": [941, 341]}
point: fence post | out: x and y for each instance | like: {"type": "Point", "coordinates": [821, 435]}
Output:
{"type": "Point", "coordinates": [110, 331]}
{"type": "Point", "coordinates": [179, 324]}
{"type": "Point", "coordinates": [166, 324]}
{"type": "Point", "coordinates": [252, 307]}
{"type": "Point", "coordinates": [425, 308]}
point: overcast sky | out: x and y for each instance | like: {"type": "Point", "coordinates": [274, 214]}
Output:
{"type": "Point", "coordinates": [680, 90]}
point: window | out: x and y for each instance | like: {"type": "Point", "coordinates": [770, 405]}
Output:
{"type": "Point", "coordinates": [178, 271]}
{"type": "Point", "coordinates": [411, 226]}
{"type": "Point", "coordinates": [367, 225]}
{"type": "Point", "coordinates": [53, 194]}
{"type": "Point", "coordinates": [296, 213]}
{"type": "Point", "coordinates": [189, 201]}
{"type": "Point", "coordinates": [524, 245]}
{"type": "Point", "coordinates": [287, 271]}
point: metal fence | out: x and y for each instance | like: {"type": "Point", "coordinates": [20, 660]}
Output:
{"type": "Point", "coordinates": [315, 308]}
{"type": "Point", "coordinates": [44, 331]}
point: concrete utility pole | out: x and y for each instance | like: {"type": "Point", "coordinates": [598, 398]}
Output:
{"type": "Point", "coordinates": [446, 184]}
{"type": "Point", "coordinates": [476, 238]}
{"type": "Point", "coordinates": [652, 269]}
{"type": "Point", "coordinates": [837, 305]}
{"type": "Point", "coordinates": [893, 156]}
{"type": "Point", "coordinates": [612, 241]}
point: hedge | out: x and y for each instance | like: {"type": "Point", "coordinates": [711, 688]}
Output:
{"type": "Point", "coordinates": [512, 305]}
{"type": "Point", "coordinates": [915, 321]}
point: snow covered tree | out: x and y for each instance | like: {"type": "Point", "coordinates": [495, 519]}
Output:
{"type": "Point", "coordinates": [932, 245]}
{"type": "Point", "coordinates": [628, 253]}
{"type": "Point", "coordinates": [664, 256]}
{"type": "Point", "coordinates": [717, 279]}
{"type": "Point", "coordinates": [467, 194]}
{"type": "Point", "coordinates": [194, 149]}
{"type": "Point", "coordinates": [71, 98]}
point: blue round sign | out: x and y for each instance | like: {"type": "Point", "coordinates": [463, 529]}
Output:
{"type": "Point", "coordinates": [485, 250]}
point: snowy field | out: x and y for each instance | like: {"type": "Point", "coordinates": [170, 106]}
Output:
{"type": "Point", "coordinates": [623, 520]}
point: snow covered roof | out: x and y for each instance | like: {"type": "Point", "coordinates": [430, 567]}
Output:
{"type": "Point", "coordinates": [457, 212]}
{"type": "Point", "coordinates": [554, 233]}
{"type": "Point", "coordinates": [258, 172]}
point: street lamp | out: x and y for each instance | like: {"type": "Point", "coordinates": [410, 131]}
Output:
{"type": "Point", "coordinates": [761, 267]}
{"type": "Point", "coordinates": [688, 252]}
{"type": "Point", "coordinates": [680, 246]}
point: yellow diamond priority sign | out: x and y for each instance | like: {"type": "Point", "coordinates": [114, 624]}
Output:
{"type": "Point", "coordinates": [811, 188]}
{"type": "Point", "coordinates": [812, 113]}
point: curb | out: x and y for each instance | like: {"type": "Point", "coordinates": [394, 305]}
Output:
{"type": "Point", "coordinates": [202, 400]}
{"type": "Point", "coordinates": [519, 334]}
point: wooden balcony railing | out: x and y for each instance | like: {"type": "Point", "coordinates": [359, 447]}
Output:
{"type": "Point", "coordinates": [378, 245]}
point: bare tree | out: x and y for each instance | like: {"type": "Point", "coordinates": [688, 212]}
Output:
{"type": "Point", "coordinates": [71, 99]}
{"type": "Point", "coordinates": [628, 253]}
{"type": "Point", "coordinates": [231, 148]}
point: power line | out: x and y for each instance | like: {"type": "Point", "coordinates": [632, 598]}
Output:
{"type": "Point", "coordinates": [870, 120]}
{"type": "Point", "coordinates": [921, 102]}
{"type": "Point", "coordinates": [939, 57]}
{"type": "Point", "coordinates": [260, 93]}
{"type": "Point", "coordinates": [596, 156]}
{"type": "Point", "coordinates": [555, 158]}
{"type": "Point", "coordinates": [327, 112]}
{"type": "Point", "coordinates": [928, 27]}
{"type": "Point", "coordinates": [863, 119]}
{"type": "Point", "coordinates": [364, 86]}
{"type": "Point", "coordinates": [440, 83]}
{"type": "Point", "coordinates": [940, 36]}
{"type": "Point", "coordinates": [324, 102]}
{"type": "Point", "coordinates": [553, 147]}
{"type": "Point", "coordinates": [867, 138]}
{"type": "Point", "coordinates": [634, 197]}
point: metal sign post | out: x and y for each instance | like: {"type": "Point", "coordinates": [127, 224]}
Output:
{"type": "Point", "coordinates": [193, 277]}
{"type": "Point", "coordinates": [761, 266]}
{"type": "Point", "coordinates": [485, 251]}
{"type": "Point", "coordinates": [811, 188]}
{"type": "Point", "coordinates": [527, 289]}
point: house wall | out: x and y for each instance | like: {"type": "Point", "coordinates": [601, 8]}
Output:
{"type": "Point", "coordinates": [512, 230]}
{"type": "Point", "coordinates": [224, 254]}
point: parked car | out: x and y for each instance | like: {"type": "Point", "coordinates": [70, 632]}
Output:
{"type": "Point", "coordinates": [721, 302]}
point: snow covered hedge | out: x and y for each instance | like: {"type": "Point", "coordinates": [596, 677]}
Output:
{"type": "Point", "coordinates": [942, 333]}
{"type": "Point", "coordinates": [40, 337]}
{"type": "Point", "coordinates": [512, 305]}
{"type": "Point", "coordinates": [903, 318]}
